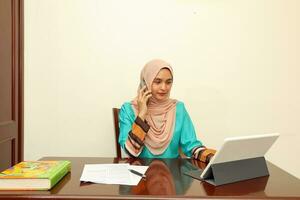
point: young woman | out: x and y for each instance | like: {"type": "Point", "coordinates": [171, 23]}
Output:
{"type": "Point", "coordinates": [155, 126]}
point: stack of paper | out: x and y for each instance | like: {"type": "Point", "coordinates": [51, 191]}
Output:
{"type": "Point", "coordinates": [112, 173]}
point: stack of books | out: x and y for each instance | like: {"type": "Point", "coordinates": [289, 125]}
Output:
{"type": "Point", "coordinates": [34, 175]}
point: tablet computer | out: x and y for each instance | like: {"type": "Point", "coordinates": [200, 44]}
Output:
{"type": "Point", "coordinates": [240, 148]}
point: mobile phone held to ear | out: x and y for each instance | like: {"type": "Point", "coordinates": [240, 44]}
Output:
{"type": "Point", "coordinates": [142, 84]}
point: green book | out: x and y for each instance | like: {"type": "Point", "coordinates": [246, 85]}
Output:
{"type": "Point", "coordinates": [34, 175]}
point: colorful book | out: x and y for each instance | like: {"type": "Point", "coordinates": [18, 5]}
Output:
{"type": "Point", "coordinates": [34, 175]}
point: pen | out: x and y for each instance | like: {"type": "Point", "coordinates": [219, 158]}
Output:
{"type": "Point", "coordinates": [137, 173]}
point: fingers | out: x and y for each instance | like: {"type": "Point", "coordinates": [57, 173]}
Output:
{"type": "Point", "coordinates": [144, 94]}
{"type": "Point", "coordinates": [143, 88]}
{"type": "Point", "coordinates": [141, 91]}
{"type": "Point", "coordinates": [147, 95]}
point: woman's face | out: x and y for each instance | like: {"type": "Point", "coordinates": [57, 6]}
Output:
{"type": "Point", "coordinates": [161, 85]}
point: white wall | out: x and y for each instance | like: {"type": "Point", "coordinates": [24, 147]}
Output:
{"type": "Point", "coordinates": [236, 66]}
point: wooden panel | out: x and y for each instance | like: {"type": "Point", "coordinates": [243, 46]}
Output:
{"type": "Point", "coordinates": [6, 154]}
{"type": "Point", "coordinates": [6, 60]}
{"type": "Point", "coordinates": [11, 82]}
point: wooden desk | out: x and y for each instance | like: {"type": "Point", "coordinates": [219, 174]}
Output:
{"type": "Point", "coordinates": [165, 180]}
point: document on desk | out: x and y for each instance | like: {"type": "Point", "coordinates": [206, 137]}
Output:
{"type": "Point", "coordinates": [112, 173]}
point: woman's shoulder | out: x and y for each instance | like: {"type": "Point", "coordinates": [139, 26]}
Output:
{"type": "Point", "coordinates": [179, 104]}
{"type": "Point", "coordinates": [126, 110]}
{"type": "Point", "coordinates": [180, 107]}
{"type": "Point", "coordinates": [126, 106]}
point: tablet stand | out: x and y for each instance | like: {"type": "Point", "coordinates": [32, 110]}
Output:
{"type": "Point", "coordinates": [233, 171]}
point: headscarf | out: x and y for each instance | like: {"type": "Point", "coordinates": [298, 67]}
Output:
{"type": "Point", "coordinates": [161, 114]}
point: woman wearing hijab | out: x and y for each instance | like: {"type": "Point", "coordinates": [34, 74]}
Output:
{"type": "Point", "coordinates": [155, 126]}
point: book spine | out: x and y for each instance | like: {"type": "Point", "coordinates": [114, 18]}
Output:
{"type": "Point", "coordinates": [60, 172]}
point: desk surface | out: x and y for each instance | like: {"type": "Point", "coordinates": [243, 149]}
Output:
{"type": "Point", "coordinates": [165, 180]}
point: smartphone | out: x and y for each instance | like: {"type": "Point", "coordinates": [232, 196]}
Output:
{"type": "Point", "coordinates": [142, 84]}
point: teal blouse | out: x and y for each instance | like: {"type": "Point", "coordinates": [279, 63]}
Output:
{"type": "Point", "coordinates": [184, 135]}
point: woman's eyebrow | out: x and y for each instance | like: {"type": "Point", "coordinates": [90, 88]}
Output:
{"type": "Point", "coordinates": [160, 79]}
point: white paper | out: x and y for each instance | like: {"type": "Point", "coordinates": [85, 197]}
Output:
{"type": "Point", "coordinates": [112, 173]}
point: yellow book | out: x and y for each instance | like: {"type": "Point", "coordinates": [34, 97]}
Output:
{"type": "Point", "coordinates": [34, 175]}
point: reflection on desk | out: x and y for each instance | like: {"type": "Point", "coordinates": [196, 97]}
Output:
{"type": "Point", "coordinates": [164, 177]}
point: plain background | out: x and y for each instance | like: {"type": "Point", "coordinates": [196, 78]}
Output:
{"type": "Point", "coordinates": [236, 68]}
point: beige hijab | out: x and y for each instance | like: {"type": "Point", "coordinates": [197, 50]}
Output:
{"type": "Point", "coordinates": [161, 115]}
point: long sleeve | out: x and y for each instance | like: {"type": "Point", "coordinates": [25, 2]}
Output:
{"type": "Point", "coordinates": [132, 133]}
{"type": "Point", "coordinates": [203, 154]}
{"type": "Point", "coordinates": [191, 146]}
{"type": "Point", "coordinates": [188, 138]}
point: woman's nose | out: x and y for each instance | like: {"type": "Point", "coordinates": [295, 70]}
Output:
{"type": "Point", "coordinates": [163, 86]}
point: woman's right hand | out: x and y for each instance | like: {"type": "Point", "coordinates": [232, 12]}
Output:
{"type": "Point", "coordinates": [143, 97]}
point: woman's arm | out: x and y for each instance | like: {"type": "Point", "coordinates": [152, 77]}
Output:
{"type": "Point", "coordinates": [191, 145]}
{"type": "Point", "coordinates": [132, 133]}
{"type": "Point", "coordinates": [136, 136]}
